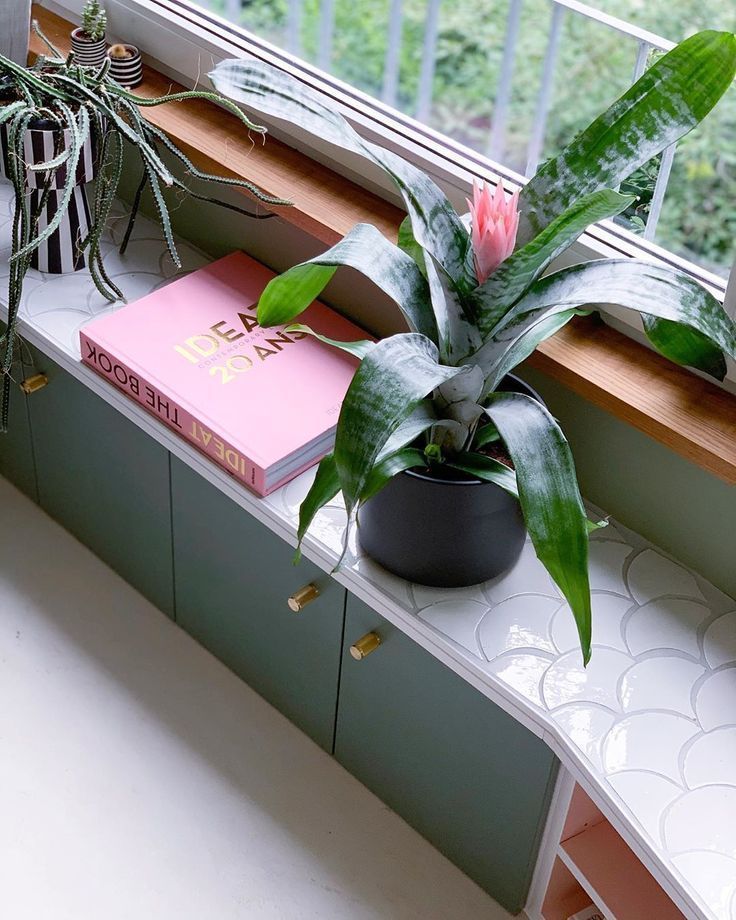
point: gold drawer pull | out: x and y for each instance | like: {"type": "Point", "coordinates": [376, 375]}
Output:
{"type": "Point", "coordinates": [369, 643]}
{"type": "Point", "coordinates": [299, 599]}
{"type": "Point", "coordinates": [36, 382]}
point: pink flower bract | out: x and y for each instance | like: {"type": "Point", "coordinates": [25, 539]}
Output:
{"type": "Point", "coordinates": [495, 221]}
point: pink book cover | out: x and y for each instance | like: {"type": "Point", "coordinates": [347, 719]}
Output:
{"type": "Point", "coordinates": [262, 403]}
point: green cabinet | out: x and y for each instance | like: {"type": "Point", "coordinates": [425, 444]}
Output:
{"type": "Point", "coordinates": [461, 771]}
{"type": "Point", "coordinates": [16, 448]}
{"type": "Point", "coordinates": [233, 579]}
{"type": "Point", "coordinates": [104, 480]}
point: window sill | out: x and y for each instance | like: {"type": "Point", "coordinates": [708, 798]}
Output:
{"type": "Point", "coordinates": [693, 417]}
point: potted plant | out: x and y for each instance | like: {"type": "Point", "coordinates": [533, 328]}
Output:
{"type": "Point", "coordinates": [88, 41]}
{"type": "Point", "coordinates": [126, 67]}
{"type": "Point", "coordinates": [60, 125]}
{"type": "Point", "coordinates": [411, 453]}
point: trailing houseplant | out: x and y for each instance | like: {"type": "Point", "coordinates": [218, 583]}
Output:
{"type": "Point", "coordinates": [478, 302]}
{"type": "Point", "coordinates": [60, 125]}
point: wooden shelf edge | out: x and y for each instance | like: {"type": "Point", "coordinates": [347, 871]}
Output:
{"type": "Point", "coordinates": [690, 416]}
{"type": "Point", "coordinates": [693, 417]}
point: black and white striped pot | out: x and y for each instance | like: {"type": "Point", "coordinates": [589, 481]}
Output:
{"type": "Point", "coordinates": [61, 251]}
{"type": "Point", "coordinates": [127, 71]}
{"type": "Point", "coordinates": [87, 52]}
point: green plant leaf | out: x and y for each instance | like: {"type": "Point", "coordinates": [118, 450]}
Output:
{"type": "Point", "coordinates": [685, 346]}
{"type": "Point", "coordinates": [670, 99]}
{"type": "Point", "coordinates": [514, 276]}
{"type": "Point", "coordinates": [435, 223]}
{"type": "Point", "coordinates": [324, 488]}
{"type": "Point", "coordinates": [487, 434]}
{"type": "Point", "coordinates": [407, 242]}
{"type": "Point", "coordinates": [369, 252]}
{"type": "Point", "coordinates": [359, 348]}
{"type": "Point", "coordinates": [458, 335]}
{"type": "Point", "coordinates": [391, 380]}
{"type": "Point", "coordinates": [653, 290]}
{"type": "Point", "coordinates": [550, 498]}
{"type": "Point", "coordinates": [385, 470]}
{"type": "Point", "coordinates": [514, 345]}
{"type": "Point", "coordinates": [420, 420]}
{"type": "Point", "coordinates": [488, 469]}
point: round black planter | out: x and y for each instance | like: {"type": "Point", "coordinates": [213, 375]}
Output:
{"type": "Point", "coordinates": [445, 532]}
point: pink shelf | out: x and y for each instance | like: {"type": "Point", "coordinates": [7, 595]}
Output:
{"type": "Point", "coordinates": [613, 876]}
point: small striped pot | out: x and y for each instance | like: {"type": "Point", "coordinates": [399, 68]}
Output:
{"type": "Point", "coordinates": [88, 53]}
{"type": "Point", "coordinates": [60, 252]}
{"type": "Point", "coordinates": [127, 71]}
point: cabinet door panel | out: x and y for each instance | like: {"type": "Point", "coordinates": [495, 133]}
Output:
{"type": "Point", "coordinates": [16, 450]}
{"type": "Point", "coordinates": [461, 771]}
{"type": "Point", "coordinates": [233, 579]}
{"type": "Point", "coordinates": [105, 480]}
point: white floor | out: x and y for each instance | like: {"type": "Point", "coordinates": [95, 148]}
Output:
{"type": "Point", "coordinates": [140, 780]}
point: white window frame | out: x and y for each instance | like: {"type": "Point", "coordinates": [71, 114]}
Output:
{"type": "Point", "coordinates": [184, 41]}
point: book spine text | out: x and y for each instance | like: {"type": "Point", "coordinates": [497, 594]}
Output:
{"type": "Point", "coordinates": [172, 414]}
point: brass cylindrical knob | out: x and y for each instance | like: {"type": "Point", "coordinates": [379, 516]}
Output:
{"type": "Point", "coordinates": [364, 646]}
{"type": "Point", "coordinates": [36, 382]}
{"type": "Point", "coordinates": [299, 599]}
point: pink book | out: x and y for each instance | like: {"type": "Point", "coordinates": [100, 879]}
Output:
{"type": "Point", "coordinates": [262, 403]}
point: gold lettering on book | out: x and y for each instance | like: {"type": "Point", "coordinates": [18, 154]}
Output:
{"type": "Point", "coordinates": [226, 455]}
{"type": "Point", "coordinates": [197, 348]}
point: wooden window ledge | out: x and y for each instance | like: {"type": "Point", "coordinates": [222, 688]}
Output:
{"type": "Point", "coordinates": [691, 416]}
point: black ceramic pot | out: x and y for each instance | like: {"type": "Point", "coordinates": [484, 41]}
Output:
{"type": "Point", "coordinates": [445, 532]}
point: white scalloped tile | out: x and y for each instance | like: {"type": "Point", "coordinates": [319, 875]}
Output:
{"type": "Point", "coordinates": [521, 672]}
{"type": "Point", "coordinates": [715, 703]}
{"type": "Point", "coordinates": [647, 795]}
{"type": "Point", "coordinates": [328, 527]}
{"type": "Point", "coordinates": [666, 623]}
{"type": "Point", "coordinates": [719, 642]}
{"type": "Point", "coordinates": [661, 683]}
{"type": "Point", "coordinates": [608, 613]}
{"type": "Point", "coordinates": [648, 741]}
{"type": "Point", "coordinates": [586, 727]}
{"type": "Point", "coordinates": [606, 564]}
{"type": "Point", "coordinates": [424, 595]}
{"type": "Point", "coordinates": [457, 619]}
{"type": "Point", "coordinates": [712, 759]}
{"type": "Point", "coordinates": [568, 681]}
{"type": "Point", "coordinates": [713, 876]}
{"type": "Point", "coordinates": [519, 622]}
{"type": "Point", "coordinates": [394, 586]}
{"type": "Point", "coordinates": [528, 576]}
{"type": "Point", "coordinates": [142, 255]}
{"type": "Point", "coordinates": [609, 532]}
{"type": "Point", "coordinates": [686, 829]}
{"type": "Point", "coordinates": [653, 575]}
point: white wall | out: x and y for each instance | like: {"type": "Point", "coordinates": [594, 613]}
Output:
{"type": "Point", "coordinates": [15, 16]}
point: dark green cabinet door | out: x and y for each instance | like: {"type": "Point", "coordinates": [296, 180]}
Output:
{"type": "Point", "coordinates": [16, 450]}
{"type": "Point", "coordinates": [105, 480]}
{"type": "Point", "coordinates": [460, 770]}
{"type": "Point", "coordinates": [233, 580]}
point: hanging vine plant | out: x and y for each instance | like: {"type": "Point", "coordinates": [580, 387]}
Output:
{"type": "Point", "coordinates": [61, 125]}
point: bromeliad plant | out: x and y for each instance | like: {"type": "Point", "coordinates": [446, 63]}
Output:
{"type": "Point", "coordinates": [478, 303]}
{"type": "Point", "coordinates": [85, 109]}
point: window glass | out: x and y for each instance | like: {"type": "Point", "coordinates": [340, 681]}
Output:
{"type": "Point", "coordinates": [443, 61]}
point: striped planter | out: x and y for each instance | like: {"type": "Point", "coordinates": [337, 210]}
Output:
{"type": "Point", "coordinates": [127, 71]}
{"type": "Point", "coordinates": [60, 252]}
{"type": "Point", "coordinates": [88, 53]}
